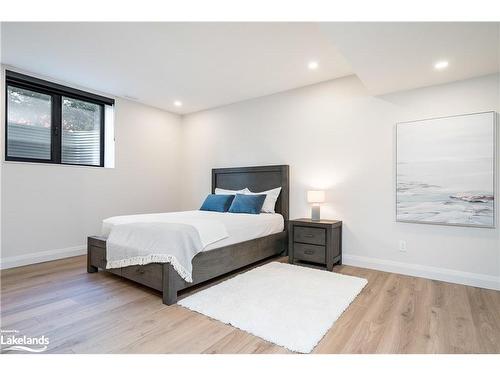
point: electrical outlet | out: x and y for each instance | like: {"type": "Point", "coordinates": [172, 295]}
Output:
{"type": "Point", "coordinates": [402, 246]}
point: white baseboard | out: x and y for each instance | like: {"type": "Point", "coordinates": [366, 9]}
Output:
{"type": "Point", "coordinates": [42, 256]}
{"type": "Point", "coordinates": [428, 272]}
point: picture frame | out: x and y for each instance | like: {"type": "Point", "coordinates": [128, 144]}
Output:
{"type": "Point", "coordinates": [446, 170]}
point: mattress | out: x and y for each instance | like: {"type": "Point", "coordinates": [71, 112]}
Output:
{"type": "Point", "coordinates": [240, 227]}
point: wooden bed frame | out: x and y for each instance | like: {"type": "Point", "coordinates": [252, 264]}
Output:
{"type": "Point", "coordinates": [214, 263]}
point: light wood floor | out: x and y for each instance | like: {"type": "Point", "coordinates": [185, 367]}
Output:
{"type": "Point", "coordinates": [102, 313]}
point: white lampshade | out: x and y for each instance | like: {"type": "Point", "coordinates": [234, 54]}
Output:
{"type": "Point", "coordinates": [316, 196]}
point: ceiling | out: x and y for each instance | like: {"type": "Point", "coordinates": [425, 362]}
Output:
{"type": "Point", "coordinates": [207, 65]}
{"type": "Point", "coordinates": [391, 57]}
{"type": "Point", "coordinates": [203, 65]}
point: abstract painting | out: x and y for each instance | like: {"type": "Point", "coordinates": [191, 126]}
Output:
{"type": "Point", "coordinates": [445, 170]}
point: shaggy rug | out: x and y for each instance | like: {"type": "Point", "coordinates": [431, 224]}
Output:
{"type": "Point", "coordinates": [287, 305]}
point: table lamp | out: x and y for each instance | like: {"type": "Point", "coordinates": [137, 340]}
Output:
{"type": "Point", "coordinates": [315, 197]}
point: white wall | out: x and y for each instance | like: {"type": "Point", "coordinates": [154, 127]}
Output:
{"type": "Point", "coordinates": [49, 210]}
{"type": "Point", "coordinates": [336, 136]}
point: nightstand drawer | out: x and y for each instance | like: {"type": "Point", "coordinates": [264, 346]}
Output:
{"type": "Point", "coordinates": [314, 236]}
{"type": "Point", "coordinates": [310, 253]}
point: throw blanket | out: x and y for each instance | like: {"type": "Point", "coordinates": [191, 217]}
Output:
{"type": "Point", "coordinates": [170, 238]}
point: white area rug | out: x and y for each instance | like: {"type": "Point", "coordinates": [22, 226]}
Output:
{"type": "Point", "coordinates": [288, 305]}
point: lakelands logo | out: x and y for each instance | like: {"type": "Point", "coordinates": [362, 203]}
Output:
{"type": "Point", "coordinates": [11, 340]}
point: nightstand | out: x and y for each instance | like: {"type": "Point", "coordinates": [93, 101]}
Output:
{"type": "Point", "coordinates": [315, 243]}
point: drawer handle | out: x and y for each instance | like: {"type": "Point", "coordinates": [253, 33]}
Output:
{"type": "Point", "coordinates": [308, 235]}
{"type": "Point", "coordinates": [140, 271]}
{"type": "Point", "coordinates": [309, 252]}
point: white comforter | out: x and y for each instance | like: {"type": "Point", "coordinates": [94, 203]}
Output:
{"type": "Point", "coordinates": [174, 237]}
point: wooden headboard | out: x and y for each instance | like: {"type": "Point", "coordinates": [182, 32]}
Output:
{"type": "Point", "coordinates": [256, 179]}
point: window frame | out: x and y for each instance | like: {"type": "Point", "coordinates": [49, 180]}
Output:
{"type": "Point", "coordinates": [56, 92]}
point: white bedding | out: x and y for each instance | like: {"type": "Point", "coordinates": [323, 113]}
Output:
{"type": "Point", "coordinates": [244, 227]}
{"type": "Point", "coordinates": [239, 227]}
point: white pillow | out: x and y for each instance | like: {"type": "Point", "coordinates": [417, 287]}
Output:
{"type": "Point", "coordinates": [270, 201]}
{"type": "Point", "coordinates": [220, 191]}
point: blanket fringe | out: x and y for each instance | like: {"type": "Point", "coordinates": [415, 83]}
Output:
{"type": "Point", "coordinates": [152, 258]}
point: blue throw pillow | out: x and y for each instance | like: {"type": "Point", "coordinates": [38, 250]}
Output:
{"type": "Point", "coordinates": [247, 204]}
{"type": "Point", "coordinates": [217, 202]}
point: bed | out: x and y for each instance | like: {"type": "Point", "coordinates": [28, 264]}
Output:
{"type": "Point", "coordinates": [237, 251]}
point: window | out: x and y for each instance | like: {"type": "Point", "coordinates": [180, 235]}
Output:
{"type": "Point", "coordinates": [29, 121]}
{"type": "Point", "coordinates": [50, 123]}
{"type": "Point", "coordinates": [81, 132]}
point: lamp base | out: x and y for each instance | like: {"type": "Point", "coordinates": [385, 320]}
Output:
{"type": "Point", "coordinates": [315, 213]}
